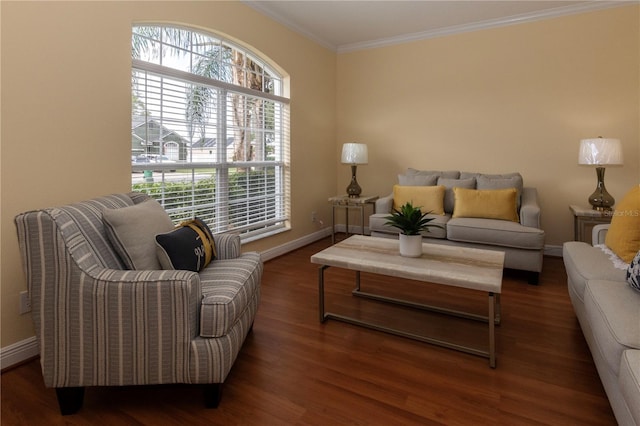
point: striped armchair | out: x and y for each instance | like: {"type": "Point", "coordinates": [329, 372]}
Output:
{"type": "Point", "coordinates": [98, 324]}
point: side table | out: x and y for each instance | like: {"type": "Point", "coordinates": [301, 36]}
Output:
{"type": "Point", "coordinates": [584, 219]}
{"type": "Point", "coordinates": [346, 202]}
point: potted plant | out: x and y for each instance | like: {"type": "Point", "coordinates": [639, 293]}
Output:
{"type": "Point", "coordinates": [410, 221]}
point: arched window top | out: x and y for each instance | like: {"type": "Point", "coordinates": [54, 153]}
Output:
{"type": "Point", "coordinates": [205, 55]}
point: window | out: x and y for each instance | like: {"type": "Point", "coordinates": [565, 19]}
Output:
{"type": "Point", "coordinates": [209, 131]}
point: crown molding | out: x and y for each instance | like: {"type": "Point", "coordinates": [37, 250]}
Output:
{"type": "Point", "coordinates": [258, 5]}
{"type": "Point", "coordinates": [483, 25]}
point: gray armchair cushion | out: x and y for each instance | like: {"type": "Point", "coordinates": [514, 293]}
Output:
{"type": "Point", "coordinates": [132, 232]}
{"type": "Point", "coordinates": [227, 288]}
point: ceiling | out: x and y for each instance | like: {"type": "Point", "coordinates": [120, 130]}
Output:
{"type": "Point", "coordinates": [354, 25]}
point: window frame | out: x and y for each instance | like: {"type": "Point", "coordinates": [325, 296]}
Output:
{"type": "Point", "coordinates": [274, 212]}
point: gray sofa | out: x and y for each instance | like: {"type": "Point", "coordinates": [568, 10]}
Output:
{"type": "Point", "coordinates": [608, 310]}
{"type": "Point", "coordinates": [100, 323]}
{"type": "Point", "coordinates": [522, 242]}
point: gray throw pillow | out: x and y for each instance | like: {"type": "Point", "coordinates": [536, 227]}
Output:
{"type": "Point", "coordinates": [132, 231]}
{"type": "Point", "coordinates": [417, 180]}
{"type": "Point", "coordinates": [512, 180]}
{"type": "Point", "coordinates": [449, 174]}
{"type": "Point", "coordinates": [449, 184]}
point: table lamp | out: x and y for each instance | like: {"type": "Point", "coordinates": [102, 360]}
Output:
{"type": "Point", "coordinates": [354, 154]}
{"type": "Point", "coordinates": [600, 152]}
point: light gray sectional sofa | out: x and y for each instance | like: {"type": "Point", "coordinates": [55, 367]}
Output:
{"type": "Point", "coordinates": [522, 242]}
{"type": "Point", "coordinates": [608, 310]}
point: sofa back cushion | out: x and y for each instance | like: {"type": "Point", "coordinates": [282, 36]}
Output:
{"type": "Point", "coordinates": [513, 180]}
{"type": "Point", "coordinates": [417, 180]}
{"type": "Point", "coordinates": [449, 174]}
{"type": "Point", "coordinates": [449, 184]}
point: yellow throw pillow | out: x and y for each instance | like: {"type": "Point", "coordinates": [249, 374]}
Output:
{"type": "Point", "coordinates": [427, 198]}
{"type": "Point", "coordinates": [486, 203]}
{"type": "Point", "coordinates": [623, 236]}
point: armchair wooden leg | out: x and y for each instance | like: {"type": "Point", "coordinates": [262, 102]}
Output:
{"type": "Point", "coordinates": [212, 395]}
{"type": "Point", "coordinates": [70, 400]}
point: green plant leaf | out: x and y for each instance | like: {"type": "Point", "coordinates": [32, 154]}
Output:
{"type": "Point", "coordinates": [410, 220]}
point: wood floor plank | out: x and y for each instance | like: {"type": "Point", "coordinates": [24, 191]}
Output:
{"type": "Point", "coordinates": [295, 370]}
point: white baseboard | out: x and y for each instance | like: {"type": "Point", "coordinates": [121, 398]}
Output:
{"type": "Point", "coordinates": [274, 252]}
{"type": "Point", "coordinates": [18, 352]}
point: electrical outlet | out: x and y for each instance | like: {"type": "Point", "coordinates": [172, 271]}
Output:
{"type": "Point", "coordinates": [25, 302]}
{"type": "Point", "coordinates": [313, 217]}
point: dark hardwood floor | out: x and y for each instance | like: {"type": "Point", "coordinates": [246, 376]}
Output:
{"type": "Point", "coordinates": [295, 370]}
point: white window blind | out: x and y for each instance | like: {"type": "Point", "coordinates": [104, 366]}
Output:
{"type": "Point", "coordinates": [210, 132]}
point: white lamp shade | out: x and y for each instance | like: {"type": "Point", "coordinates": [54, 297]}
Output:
{"type": "Point", "coordinates": [600, 152]}
{"type": "Point", "coordinates": [355, 153]}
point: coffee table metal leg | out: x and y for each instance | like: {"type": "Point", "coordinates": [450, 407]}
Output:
{"type": "Point", "coordinates": [492, 331]}
{"type": "Point", "coordinates": [321, 292]}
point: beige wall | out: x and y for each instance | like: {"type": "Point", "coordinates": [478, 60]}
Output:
{"type": "Point", "coordinates": [515, 98]}
{"type": "Point", "coordinates": [66, 112]}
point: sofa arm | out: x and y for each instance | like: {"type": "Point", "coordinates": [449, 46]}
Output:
{"type": "Point", "coordinates": [529, 208]}
{"type": "Point", "coordinates": [227, 246]}
{"type": "Point", "coordinates": [599, 233]}
{"type": "Point", "coordinates": [130, 327]}
{"type": "Point", "coordinates": [384, 204]}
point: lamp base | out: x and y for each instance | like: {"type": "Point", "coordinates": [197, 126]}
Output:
{"type": "Point", "coordinates": [353, 190]}
{"type": "Point", "coordinates": [601, 200]}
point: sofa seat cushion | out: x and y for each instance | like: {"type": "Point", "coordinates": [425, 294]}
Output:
{"type": "Point", "coordinates": [613, 311]}
{"type": "Point", "coordinates": [377, 223]}
{"type": "Point", "coordinates": [629, 381]}
{"type": "Point", "coordinates": [495, 232]}
{"type": "Point", "coordinates": [584, 262]}
{"type": "Point", "coordinates": [227, 287]}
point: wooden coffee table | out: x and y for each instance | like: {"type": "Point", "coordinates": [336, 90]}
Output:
{"type": "Point", "coordinates": [440, 264]}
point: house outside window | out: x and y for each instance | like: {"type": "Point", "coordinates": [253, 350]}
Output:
{"type": "Point", "coordinates": [210, 131]}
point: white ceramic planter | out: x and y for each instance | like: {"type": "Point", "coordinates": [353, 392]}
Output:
{"type": "Point", "coordinates": [410, 245]}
